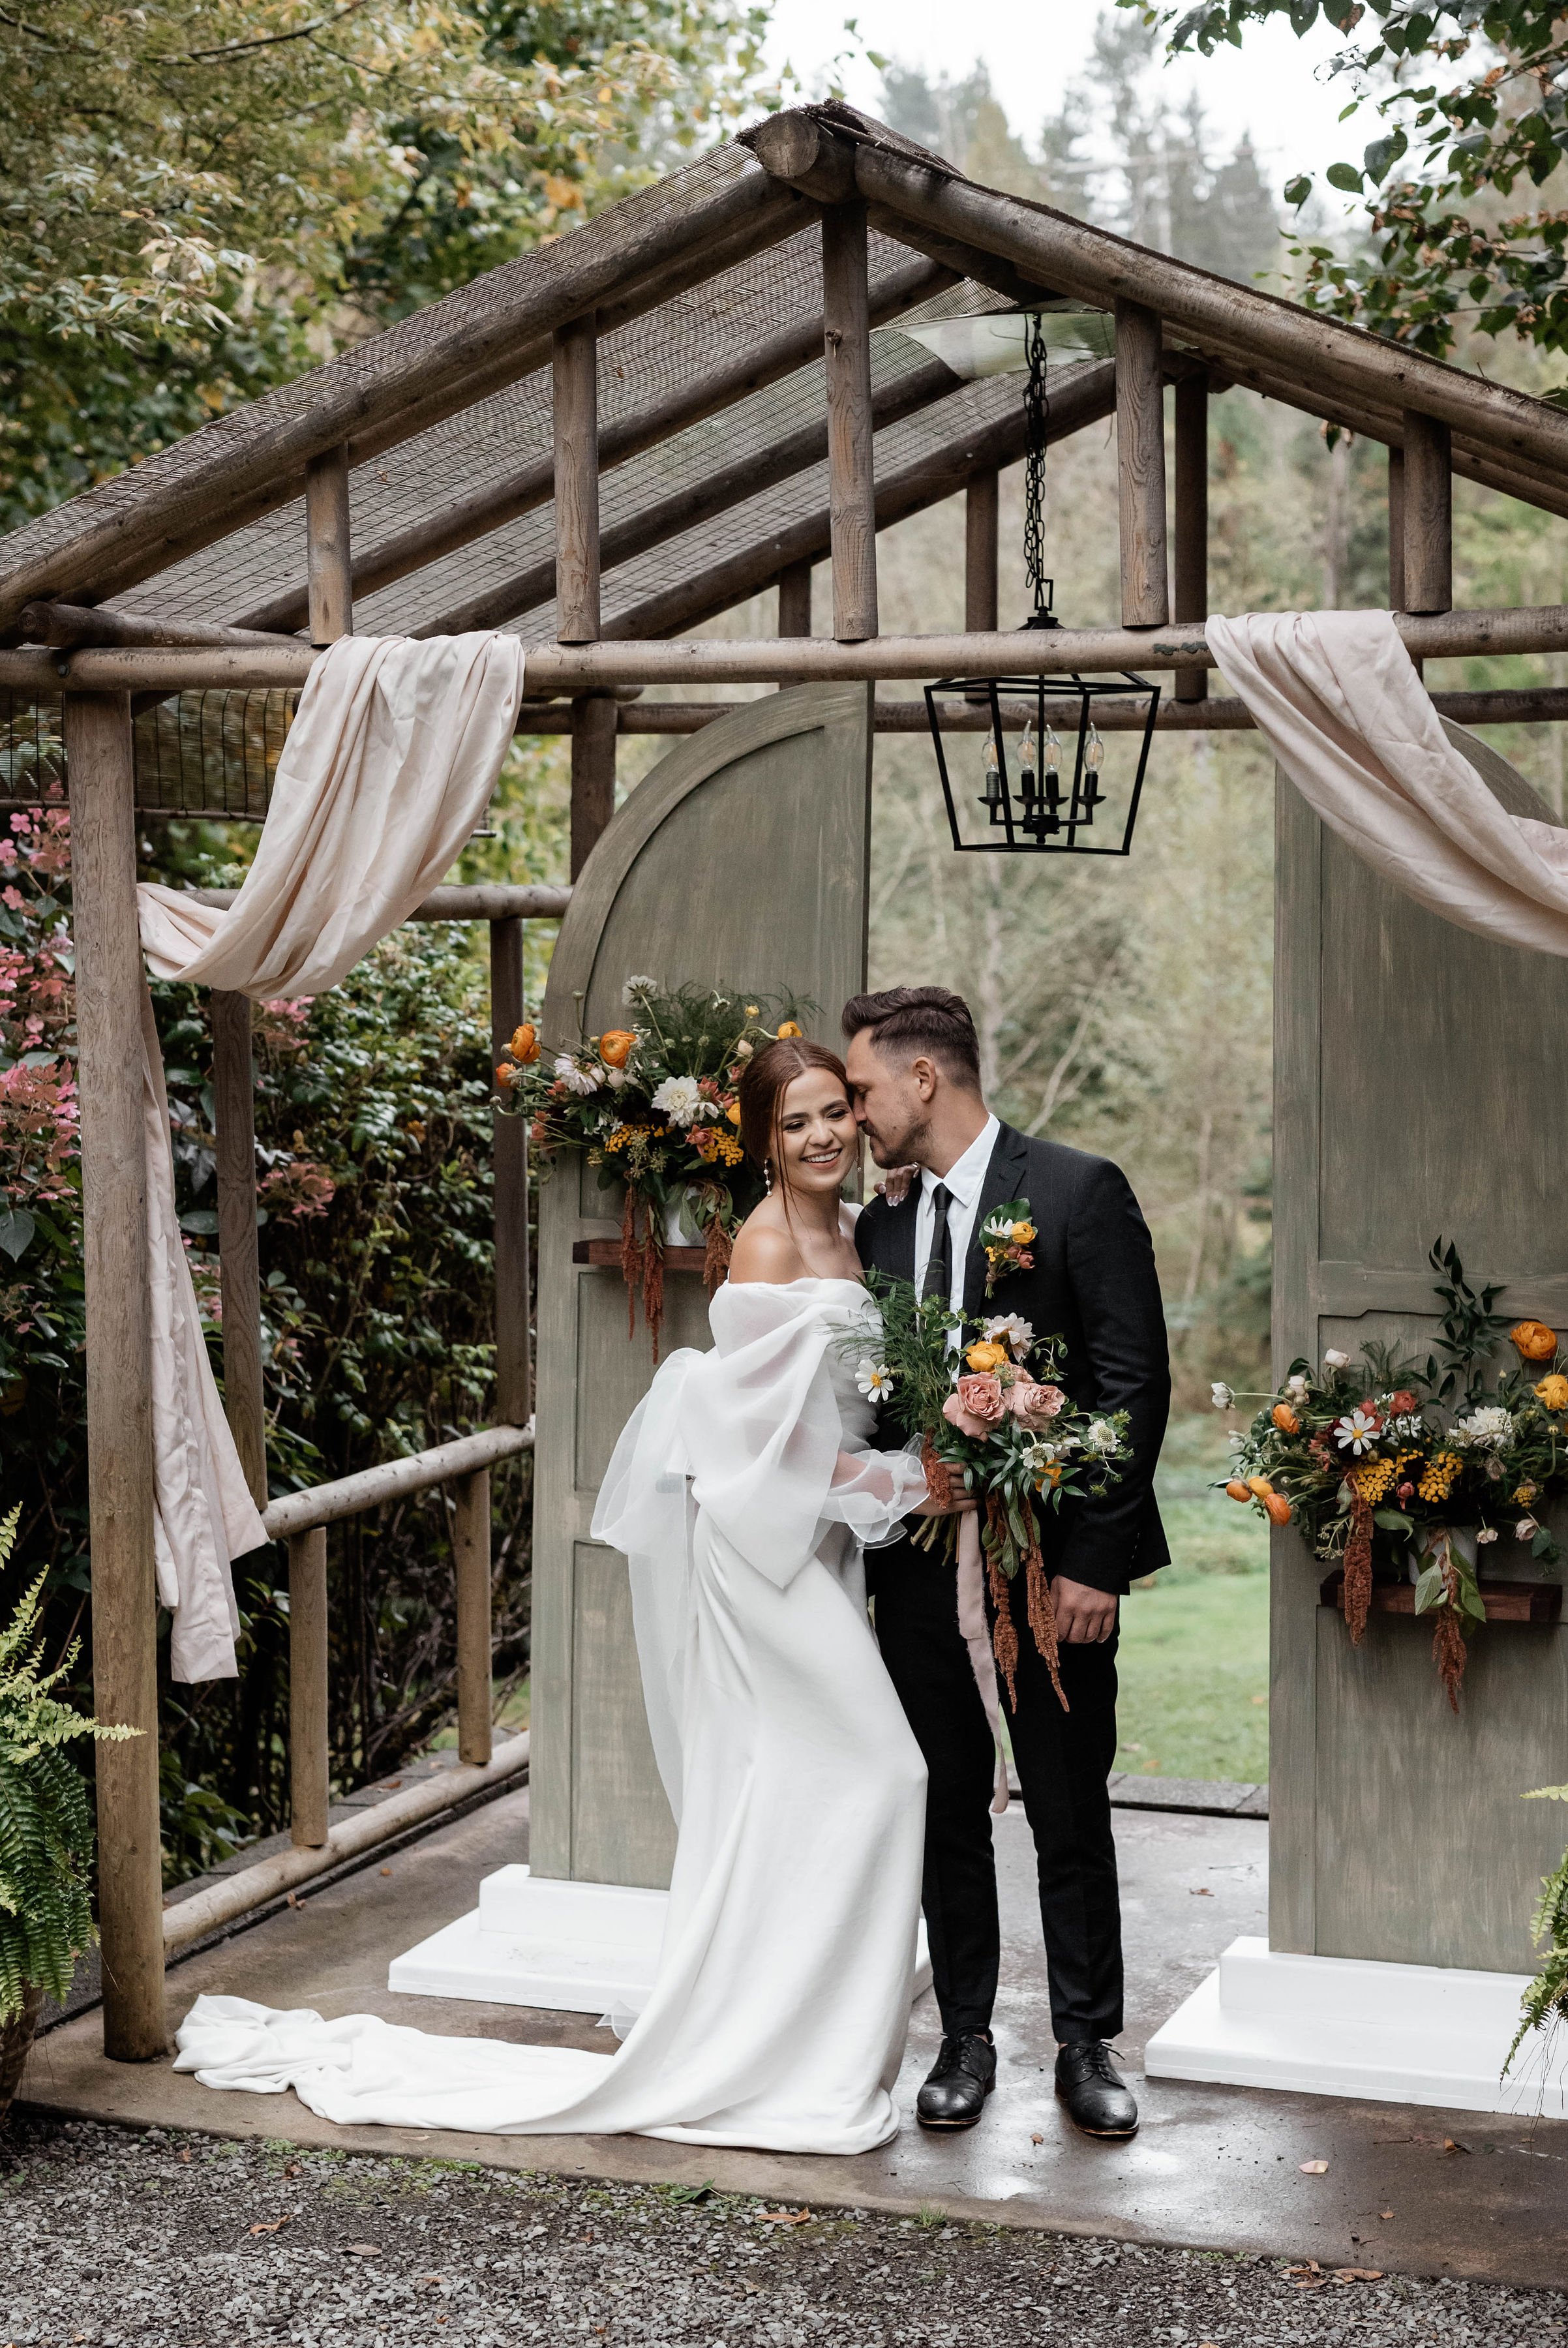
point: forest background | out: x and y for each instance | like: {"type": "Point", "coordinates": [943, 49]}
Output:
{"type": "Point", "coordinates": [144, 285]}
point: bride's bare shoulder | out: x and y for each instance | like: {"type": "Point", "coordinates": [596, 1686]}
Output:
{"type": "Point", "coordinates": [764, 1252]}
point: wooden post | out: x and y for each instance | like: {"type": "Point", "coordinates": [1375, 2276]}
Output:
{"type": "Point", "coordinates": [1140, 465]}
{"type": "Point", "coordinates": [1192, 584]}
{"type": "Point", "coordinates": [594, 718]}
{"type": "Point", "coordinates": [1429, 515]}
{"type": "Point", "coordinates": [514, 1385]}
{"type": "Point", "coordinates": [238, 1263]}
{"type": "Point", "coordinates": [982, 503]}
{"type": "Point", "coordinates": [110, 983]}
{"type": "Point", "coordinates": [795, 600]}
{"type": "Point", "coordinates": [852, 464]}
{"type": "Point", "coordinates": [309, 1775]}
{"type": "Point", "coordinates": [576, 397]}
{"type": "Point", "coordinates": [471, 1559]}
{"type": "Point", "coordinates": [329, 558]}
{"type": "Point", "coordinates": [1396, 530]}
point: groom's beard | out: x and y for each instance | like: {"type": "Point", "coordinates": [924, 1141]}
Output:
{"type": "Point", "coordinates": [905, 1149]}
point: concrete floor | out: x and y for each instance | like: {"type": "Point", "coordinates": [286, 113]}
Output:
{"type": "Point", "coordinates": [1418, 2191]}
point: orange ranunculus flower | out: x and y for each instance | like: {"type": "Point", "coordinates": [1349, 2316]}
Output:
{"type": "Point", "coordinates": [1277, 1507]}
{"type": "Point", "coordinates": [987, 1355]}
{"type": "Point", "coordinates": [733, 1112]}
{"type": "Point", "coordinates": [1285, 1420]}
{"type": "Point", "coordinates": [1022, 1233]}
{"type": "Point", "coordinates": [790, 1027]}
{"type": "Point", "coordinates": [1238, 1491]}
{"type": "Point", "coordinates": [506, 1075]}
{"type": "Point", "coordinates": [1553, 1391]}
{"type": "Point", "coordinates": [615, 1046]}
{"type": "Point", "coordinates": [525, 1044]}
{"type": "Point", "coordinates": [1535, 1340]}
{"type": "Point", "coordinates": [1259, 1487]}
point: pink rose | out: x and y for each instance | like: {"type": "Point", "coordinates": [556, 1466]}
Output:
{"type": "Point", "coordinates": [1034, 1407]}
{"type": "Point", "coordinates": [976, 1404]}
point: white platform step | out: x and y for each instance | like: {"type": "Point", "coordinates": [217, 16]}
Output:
{"type": "Point", "coordinates": [1346, 2026]}
{"type": "Point", "coordinates": [573, 1948]}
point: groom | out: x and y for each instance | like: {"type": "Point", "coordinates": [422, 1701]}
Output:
{"type": "Point", "coordinates": [914, 1066]}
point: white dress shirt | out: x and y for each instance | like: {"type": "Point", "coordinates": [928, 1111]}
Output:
{"type": "Point", "coordinates": [964, 1179]}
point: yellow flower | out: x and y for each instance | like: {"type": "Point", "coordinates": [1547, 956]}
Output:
{"type": "Point", "coordinates": [1050, 1475]}
{"type": "Point", "coordinates": [753, 1010]}
{"type": "Point", "coordinates": [733, 1112]}
{"type": "Point", "coordinates": [1438, 1481]}
{"type": "Point", "coordinates": [1535, 1340]}
{"type": "Point", "coordinates": [1022, 1234]}
{"type": "Point", "coordinates": [790, 1027]}
{"type": "Point", "coordinates": [1373, 1480]}
{"type": "Point", "coordinates": [1525, 1495]}
{"type": "Point", "coordinates": [1553, 1391]}
{"type": "Point", "coordinates": [987, 1355]}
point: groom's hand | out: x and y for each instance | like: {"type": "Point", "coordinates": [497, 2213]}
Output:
{"type": "Point", "coordinates": [962, 1504]}
{"type": "Point", "coordinates": [1084, 1617]}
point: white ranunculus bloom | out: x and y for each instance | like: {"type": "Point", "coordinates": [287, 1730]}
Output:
{"type": "Point", "coordinates": [1332, 1359]}
{"type": "Point", "coordinates": [1526, 1529]}
{"type": "Point", "coordinates": [1297, 1387]}
{"type": "Point", "coordinates": [575, 1079]}
{"type": "Point", "coordinates": [1010, 1329]}
{"type": "Point", "coordinates": [678, 1099]}
{"type": "Point", "coordinates": [1221, 1395]}
{"type": "Point", "coordinates": [1487, 1533]}
{"type": "Point", "coordinates": [1487, 1429]}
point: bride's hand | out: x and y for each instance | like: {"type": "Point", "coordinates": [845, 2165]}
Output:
{"type": "Point", "coordinates": [895, 1184]}
{"type": "Point", "coordinates": [962, 1504]}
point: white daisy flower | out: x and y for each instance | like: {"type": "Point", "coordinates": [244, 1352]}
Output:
{"type": "Point", "coordinates": [1010, 1329]}
{"type": "Point", "coordinates": [874, 1379]}
{"type": "Point", "coordinates": [582, 1081]}
{"type": "Point", "coordinates": [1356, 1432]}
{"type": "Point", "coordinates": [679, 1100]}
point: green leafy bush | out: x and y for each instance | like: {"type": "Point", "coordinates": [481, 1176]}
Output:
{"type": "Point", "coordinates": [46, 1819]}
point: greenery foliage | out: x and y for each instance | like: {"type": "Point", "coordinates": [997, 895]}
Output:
{"type": "Point", "coordinates": [1467, 102]}
{"type": "Point", "coordinates": [1544, 2004]}
{"type": "Point", "coordinates": [46, 1819]}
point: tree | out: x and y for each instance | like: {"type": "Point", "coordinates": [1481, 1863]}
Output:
{"type": "Point", "coordinates": [199, 198]}
{"type": "Point", "coordinates": [1472, 98]}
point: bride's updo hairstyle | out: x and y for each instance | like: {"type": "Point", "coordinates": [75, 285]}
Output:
{"type": "Point", "coordinates": [764, 1081]}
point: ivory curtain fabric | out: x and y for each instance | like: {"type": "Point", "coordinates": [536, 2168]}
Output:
{"type": "Point", "coordinates": [1355, 729]}
{"type": "Point", "coordinates": [386, 770]}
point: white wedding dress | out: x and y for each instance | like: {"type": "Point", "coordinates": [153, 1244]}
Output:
{"type": "Point", "coordinates": [742, 1490]}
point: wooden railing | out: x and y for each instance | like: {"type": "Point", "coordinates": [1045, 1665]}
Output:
{"type": "Point", "coordinates": [302, 1517]}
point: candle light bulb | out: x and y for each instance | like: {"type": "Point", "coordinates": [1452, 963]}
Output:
{"type": "Point", "coordinates": [1027, 761]}
{"type": "Point", "coordinates": [991, 797]}
{"type": "Point", "coordinates": [1093, 750]}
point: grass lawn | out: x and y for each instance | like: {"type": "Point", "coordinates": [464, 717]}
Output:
{"type": "Point", "coordinates": [1194, 1659]}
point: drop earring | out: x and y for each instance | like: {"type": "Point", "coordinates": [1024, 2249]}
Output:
{"type": "Point", "coordinates": [767, 1176]}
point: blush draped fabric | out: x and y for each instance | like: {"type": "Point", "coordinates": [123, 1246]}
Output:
{"type": "Point", "coordinates": [778, 2012]}
{"type": "Point", "coordinates": [1354, 727]}
{"type": "Point", "coordinates": [386, 769]}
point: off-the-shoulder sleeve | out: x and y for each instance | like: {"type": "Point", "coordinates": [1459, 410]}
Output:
{"type": "Point", "coordinates": [763, 1431]}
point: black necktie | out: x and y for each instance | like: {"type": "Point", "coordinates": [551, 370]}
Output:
{"type": "Point", "coordinates": [938, 1280]}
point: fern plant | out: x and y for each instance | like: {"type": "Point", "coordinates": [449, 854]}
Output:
{"type": "Point", "coordinates": [46, 1822]}
{"type": "Point", "coordinates": [1546, 2001]}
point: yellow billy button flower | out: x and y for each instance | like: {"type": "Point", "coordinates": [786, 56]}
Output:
{"type": "Point", "coordinates": [1553, 1391]}
{"type": "Point", "coordinates": [987, 1355]}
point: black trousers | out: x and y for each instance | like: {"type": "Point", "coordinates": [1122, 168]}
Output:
{"type": "Point", "coordinates": [1064, 1760]}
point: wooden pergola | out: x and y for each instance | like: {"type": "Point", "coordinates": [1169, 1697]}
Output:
{"type": "Point", "coordinates": [719, 420]}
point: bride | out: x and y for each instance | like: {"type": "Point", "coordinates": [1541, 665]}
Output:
{"type": "Point", "coordinates": [743, 1491]}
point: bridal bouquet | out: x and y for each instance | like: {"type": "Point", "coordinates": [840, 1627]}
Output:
{"type": "Point", "coordinates": [992, 1420]}
{"type": "Point", "coordinates": [652, 1105]}
{"type": "Point", "coordinates": [1390, 1466]}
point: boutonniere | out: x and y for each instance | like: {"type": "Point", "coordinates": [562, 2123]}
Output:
{"type": "Point", "coordinates": [1006, 1235]}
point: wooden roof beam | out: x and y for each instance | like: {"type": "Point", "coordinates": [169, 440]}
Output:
{"type": "Point", "coordinates": [463, 520]}
{"type": "Point", "coordinates": [432, 363]}
{"type": "Point", "coordinates": [1092, 265]}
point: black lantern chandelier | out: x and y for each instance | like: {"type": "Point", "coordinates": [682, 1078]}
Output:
{"type": "Point", "coordinates": [1042, 794]}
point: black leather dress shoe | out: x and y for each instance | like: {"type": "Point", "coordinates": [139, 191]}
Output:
{"type": "Point", "coordinates": [963, 2076]}
{"type": "Point", "coordinates": [1090, 2085]}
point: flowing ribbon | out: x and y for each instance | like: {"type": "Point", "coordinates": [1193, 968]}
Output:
{"type": "Point", "coordinates": [977, 1639]}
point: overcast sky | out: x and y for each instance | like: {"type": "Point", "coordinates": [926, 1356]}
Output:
{"type": "Point", "coordinates": [1032, 47]}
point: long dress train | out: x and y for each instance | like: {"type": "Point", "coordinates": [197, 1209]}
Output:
{"type": "Point", "coordinates": [743, 1490]}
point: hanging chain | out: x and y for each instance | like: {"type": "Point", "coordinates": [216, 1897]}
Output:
{"type": "Point", "coordinates": [1036, 406]}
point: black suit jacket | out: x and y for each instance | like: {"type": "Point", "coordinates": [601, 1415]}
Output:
{"type": "Point", "coordinates": [1093, 1284]}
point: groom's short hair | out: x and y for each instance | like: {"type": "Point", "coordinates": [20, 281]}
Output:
{"type": "Point", "coordinates": [908, 1020]}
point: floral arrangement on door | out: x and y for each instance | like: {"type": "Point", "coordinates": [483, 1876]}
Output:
{"type": "Point", "coordinates": [652, 1103]}
{"type": "Point", "coordinates": [1392, 1469]}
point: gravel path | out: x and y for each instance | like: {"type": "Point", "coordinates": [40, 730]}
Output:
{"type": "Point", "coordinates": [189, 2241]}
